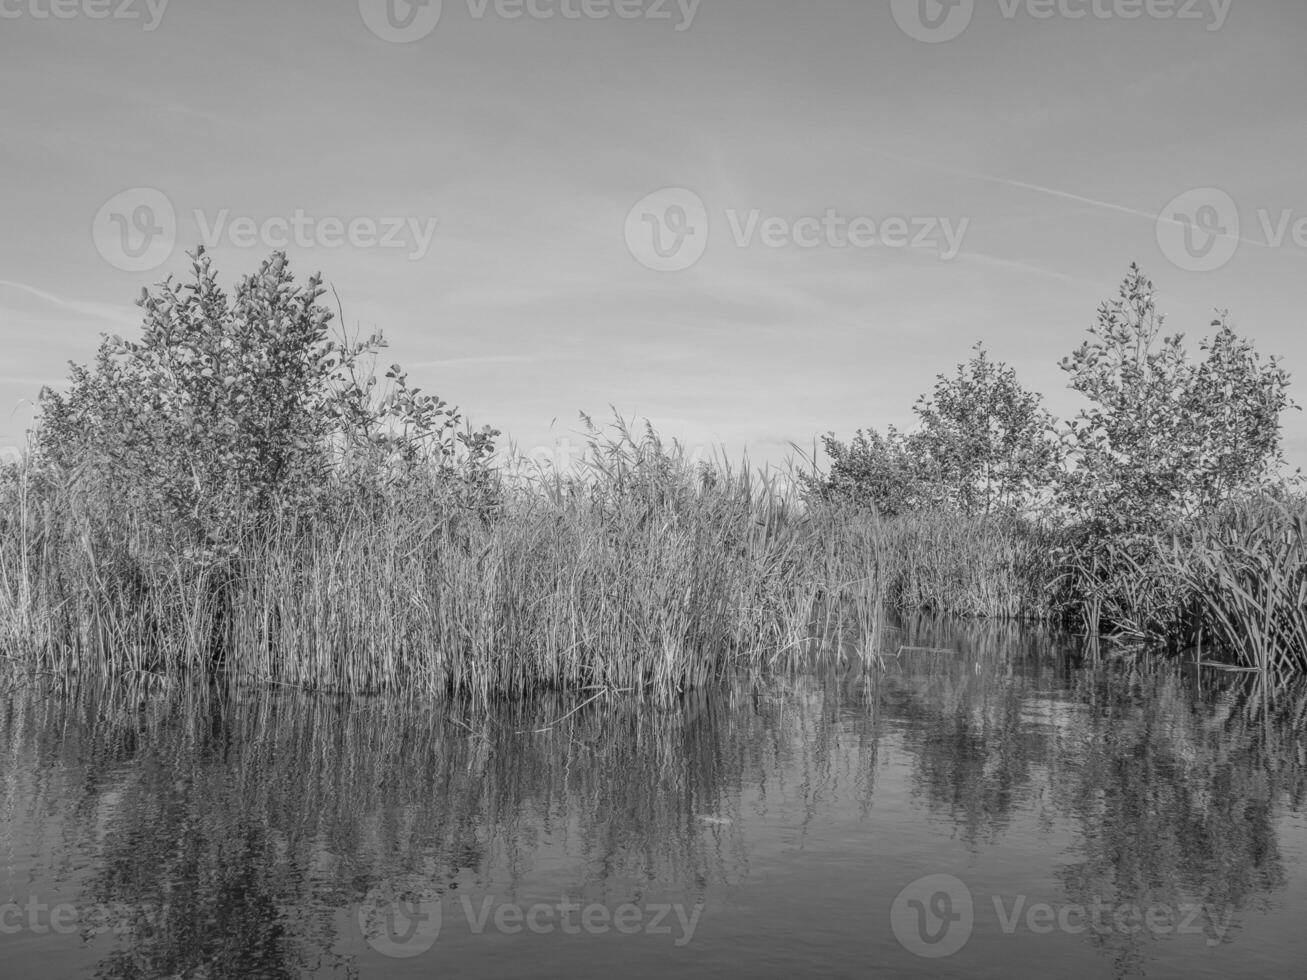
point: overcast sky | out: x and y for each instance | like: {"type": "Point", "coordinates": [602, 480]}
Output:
{"type": "Point", "coordinates": [846, 194]}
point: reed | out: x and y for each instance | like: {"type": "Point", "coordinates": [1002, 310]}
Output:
{"type": "Point", "coordinates": [644, 573]}
{"type": "Point", "coordinates": [1224, 587]}
{"type": "Point", "coordinates": [989, 567]}
{"type": "Point", "coordinates": [1246, 573]}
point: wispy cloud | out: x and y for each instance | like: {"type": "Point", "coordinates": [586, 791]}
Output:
{"type": "Point", "coordinates": [98, 311]}
{"type": "Point", "coordinates": [1026, 185]}
{"type": "Point", "coordinates": [467, 361]}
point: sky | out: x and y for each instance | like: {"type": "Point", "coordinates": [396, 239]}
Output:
{"type": "Point", "coordinates": [748, 221]}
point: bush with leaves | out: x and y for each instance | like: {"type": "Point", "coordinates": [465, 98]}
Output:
{"type": "Point", "coordinates": [1166, 437]}
{"type": "Point", "coordinates": [982, 445]}
{"type": "Point", "coordinates": [985, 439]}
{"type": "Point", "coordinates": [872, 470]}
{"type": "Point", "coordinates": [1165, 442]}
{"type": "Point", "coordinates": [228, 410]}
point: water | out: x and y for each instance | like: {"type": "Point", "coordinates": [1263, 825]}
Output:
{"type": "Point", "coordinates": [1111, 819]}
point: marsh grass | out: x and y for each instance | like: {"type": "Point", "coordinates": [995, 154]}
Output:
{"type": "Point", "coordinates": [1228, 587]}
{"type": "Point", "coordinates": [645, 573]}
{"type": "Point", "coordinates": [996, 567]}
{"type": "Point", "coordinates": [1246, 574]}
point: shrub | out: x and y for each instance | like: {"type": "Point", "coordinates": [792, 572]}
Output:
{"type": "Point", "coordinates": [1165, 437]}
{"type": "Point", "coordinates": [982, 444]}
{"type": "Point", "coordinates": [229, 409]}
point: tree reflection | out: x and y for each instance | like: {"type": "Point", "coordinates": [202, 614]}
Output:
{"type": "Point", "coordinates": [227, 832]}
{"type": "Point", "coordinates": [1173, 780]}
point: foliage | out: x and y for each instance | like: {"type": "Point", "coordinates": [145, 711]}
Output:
{"type": "Point", "coordinates": [981, 445]}
{"type": "Point", "coordinates": [985, 438]}
{"type": "Point", "coordinates": [638, 575]}
{"type": "Point", "coordinates": [873, 470]}
{"type": "Point", "coordinates": [1166, 442]}
{"type": "Point", "coordinates": [228, 409]}
{"type": "Point", "coordinates": [1165, 436]}
{"type": "Point", "coordinates": [995, 566]}
{"type": "Point", "coordinates": [233, 488]}
{"type": "Point", "coordinates": [1246, 571]}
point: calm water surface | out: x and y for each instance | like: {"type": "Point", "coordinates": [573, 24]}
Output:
{"type": "Point", "coordinates": [1007, 808]}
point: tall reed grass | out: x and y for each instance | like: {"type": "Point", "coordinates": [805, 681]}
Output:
{"type": "Point", "coordinates": [1246, 571]}
{"type": "Point", "coordinates": [996, 567]}
{"type": "Point", "coordinates": [1227, 586]}
{"type": "Point", "coordinates": [644, 573]}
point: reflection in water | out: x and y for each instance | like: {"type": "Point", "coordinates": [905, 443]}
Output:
{"type": "Point", "coordinates": [202, 834]}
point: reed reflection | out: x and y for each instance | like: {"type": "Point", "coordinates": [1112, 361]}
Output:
{"type": "Point", "coordinates": [232, 833]}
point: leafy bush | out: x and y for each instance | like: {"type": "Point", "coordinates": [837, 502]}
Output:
{"type": "Point", "coordinates": [167, 460]}
{"type": "Point", "coordinates": [985, 439]}
{"type": "Point", "coordinates": [982, 444]}
{"type": "Point", "coordinates": [1095, 506]}
{"type": "Point", "coordinates": [873, 471]}
{"type": "Point", "coordinates": [1165, 437]}
{"type": "Point", "coordinates": [230, 409]}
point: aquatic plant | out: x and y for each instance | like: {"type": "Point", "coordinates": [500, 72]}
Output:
{"type": "Point", "coordinates": [646, 572]}
{"type": "Point", "coordinates": [1245, 570]}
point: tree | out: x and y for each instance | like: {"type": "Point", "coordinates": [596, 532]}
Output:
{"type": "Point", "coordinates": [229, 409]}
{"type": "Point", "coordinates": [984, 439]}
{"type": "Point", "coordinates": [1165, 437]}
{"type": "Point", "coordinates": [982, 444]}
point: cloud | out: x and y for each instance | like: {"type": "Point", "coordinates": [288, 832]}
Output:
{"type": "Point", "coordinates": [98, 311]}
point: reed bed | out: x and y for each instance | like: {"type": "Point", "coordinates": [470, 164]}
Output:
{"type": "Point", "coordinates": [1246, 571]}
{"type": "Point", "coordinates": [646, 573]}
{"type": "Point", "coordinates": [994, 567]}
{"type": "Point", "coordinates": [1224, 588]}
